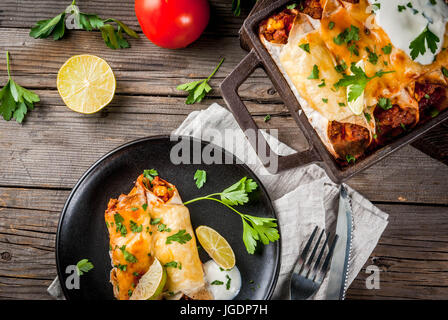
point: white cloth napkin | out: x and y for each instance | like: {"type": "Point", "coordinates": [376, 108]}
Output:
{"type": "Point", "coordinates": [302, 197]}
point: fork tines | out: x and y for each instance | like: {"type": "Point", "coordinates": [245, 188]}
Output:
{"type": "Point", "coordinates": [315, 268]}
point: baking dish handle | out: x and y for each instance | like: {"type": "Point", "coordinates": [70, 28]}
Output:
{"type": "Point", "coordinates": [229, 90]}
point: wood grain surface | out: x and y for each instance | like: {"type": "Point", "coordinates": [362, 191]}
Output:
{"type": "Point", "coordinates": [41, 160]}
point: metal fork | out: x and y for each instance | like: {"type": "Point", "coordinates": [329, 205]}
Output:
{"type": "Point", "coordinates": [309, 273]}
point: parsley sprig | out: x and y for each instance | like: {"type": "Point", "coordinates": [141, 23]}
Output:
{"type": "Point", "coordinates": [83, 266]}
{"type": "Point", "coordinates": [15, 101]}
{"type": "Point", "coordinates": [254, 228]}
{"type": "Point", "coordinates": [198, 89]}
{"type": "Point", "coordinates": [418, 46]}
{"type": "Point", "coordinates": [357, 81]}
{"type": "Point", "coordinates": [56, 27]}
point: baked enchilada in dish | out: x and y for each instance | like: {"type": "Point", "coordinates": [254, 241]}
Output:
{"type": "Point", "coordinates": [364, 71]}
{"type": "Point", "coordinates": [151, 224]}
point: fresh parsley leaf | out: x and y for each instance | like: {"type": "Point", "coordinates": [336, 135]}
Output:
{"type": "Point", "coordinates": [353, 48]}
{"type": "Point", "coordinates": [267, 118]}
{"type": "Point", "coordinates": [162, 227]}
{"type": "Point", "coordinates": [182, 237]}
{"type": "Point", "coordinates": [44, 28]}
{"type": "Point", "coordinates": [173, 264]}
{"type": "Point", "coordinates": [314, 73]}
{"type": "Point", "coordinates": [291, 6]}
{"type": "Point", "coordinates": [385, 103]}
{"type": "Point", "coordinates": [426, 38]}
{"type": "Point", "coordinates": [445, 71]}
{"type": "Point", "coordinates": [331, 25]}
{"type": "Point", "coordinates": [367, 116]}
{"type": "Point", "coordinates": [387, 49]}
{"type": "Point", "coordinates": [341, 67]}
{"type": "Point", "coordinates": [236, 7]}
{"type": "Point", "coordinates": [197, 90]}
{"type": "Point", "coordinates": [217, 283]}
{"type": "Point", "coordinates": [135, 227]}
{"type": "Point", "coordinates": [155, 221]}
{"type": "Point", "coordinates": [112, 36]}
{"type": "Point", "coordinates": [83, 266]}
{"type": "Point", "coordinates": [347, 36]}
{"type": "Point", "coordinates": [350, 158]}
{"type": "Point", "coordinates": [122, 267]}
{"type": "Point", "coordinates": [373, 57]}
{"type": "Point", "coordinates": [200, 177]}
{"type": "Point", "coordinates": [15, 101]}
{"type": "Point", "coordinates": [150, 174]}
{"type": "Point", "coordinates": [129, 257]}
{"type": "Point", "coordinates": [229, 280]}
{"type": "Point", "coordinates": [357, 81]}
{"type": "Point", "coordinates": [120, 227]}
{"type": "Point", "coordinates": [305, 47]}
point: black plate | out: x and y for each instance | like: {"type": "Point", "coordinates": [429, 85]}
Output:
{"type": "Point", "coordinates": [82, 232]}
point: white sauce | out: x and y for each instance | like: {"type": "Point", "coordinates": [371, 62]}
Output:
{"type": "Point", "coordinates": [213, 273]}
{"type": "Point", "coordinates": [405, 26]}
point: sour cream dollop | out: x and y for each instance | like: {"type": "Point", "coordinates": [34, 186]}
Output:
{"type": "Point", "coordinates": [223, 284]}
{"type": "Point", "coordinates": [405, 20]}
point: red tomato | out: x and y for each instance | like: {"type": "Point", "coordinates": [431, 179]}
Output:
{"type": "Point", "coordinates": [172, 24]}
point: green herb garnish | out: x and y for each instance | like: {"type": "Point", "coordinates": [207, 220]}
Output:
{"type": "Point", "coordinates": [426, 38]}
{"type": "Point", "coordinates": [112, 36]}
{"type": "Point", "coordinates": [254, 228]}
{"type": "Point", "coordinates": [173, 264]}
{"type": "Point", "coordinates": [120, 227]}
{"type": "Point", "coordinates": [305, 47]}
{"type": "Point", "coordinates": [129, 257]}
{"type": "Point", "coordinates": [182, 237]}
{"type": "Point", "coordinates": [198, 89]}
{"type": "Point", "coordinates": [15, 101]}
{"type": "Point", "coordinates": [83, 266]}
{"type": "Point", "coordinates": [135, 227]}
{"type": "Point", "coordinates": [357, 82]}
{"type": "Point", "coordinates": [314, 73]}
{"type": "Point", "coordinates": [200, 177]}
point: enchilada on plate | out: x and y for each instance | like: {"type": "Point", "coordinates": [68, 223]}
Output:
{"type": "Point", "coordinates": [152, 223]}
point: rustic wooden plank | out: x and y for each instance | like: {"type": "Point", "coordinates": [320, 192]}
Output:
{"type": "Point", "coordinates": [142, 61]}
{"type": "Point", "coordinates": [435, 143]}
{"type": "Point", "coordinates": [24, 289]}
{"type": "Point", "coordinates": [412, 256]}
{"type": "Point", "coordinates": [25, 13]}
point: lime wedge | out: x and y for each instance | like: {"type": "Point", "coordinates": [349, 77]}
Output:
{"type": "Point", "coordinates": [216, 246]}
{"type": "Point", "coordinates": [357, 106]}
{"type": "Point", "coordinates": [151, 284]}
{"type": "Point", "coordinates": [86, 83]}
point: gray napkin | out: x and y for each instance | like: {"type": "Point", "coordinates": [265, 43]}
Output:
{"type": "Point", "coordinates": [302, 197]}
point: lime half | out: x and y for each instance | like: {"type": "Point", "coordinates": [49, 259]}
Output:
{"type": "Point", "coordinates": [151, 284]}
{"type": "Point", "coordinates": [86, 83]}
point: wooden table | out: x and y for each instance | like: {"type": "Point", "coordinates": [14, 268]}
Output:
{"type": "Point", "coordinates": [41, 160]}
